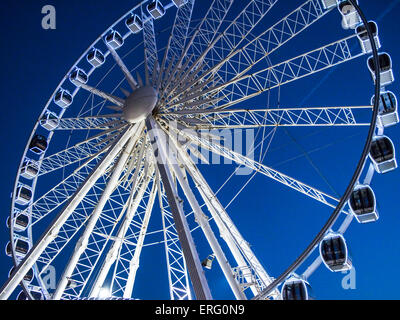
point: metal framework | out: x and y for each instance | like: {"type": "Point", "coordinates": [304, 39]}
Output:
{"type": "Point", "coordinates": [97, 198]}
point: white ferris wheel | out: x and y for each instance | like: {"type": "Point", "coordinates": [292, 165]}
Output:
{"type": "Point", "coordinates": [110, 168]}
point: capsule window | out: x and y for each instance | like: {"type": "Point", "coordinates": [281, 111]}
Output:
{"type": "Point", "coordinates": [30, 169]}
{"type": "Point", "coordinates": [388, 114]}
{"type": "Point", "coordinates": [351, 18]}
{"type": "Point", "coordinates": [156, 9]}
{"type": "Point", "coordinates": [38, 144]}
{"type": "Point", "coordinates": [24, 195]}
{"type": "Point", "coordinates": [134, 23]}
{"type": "Point", "coordinates": [362, 32]}
{"type": "Point", "coordinates": [21, 248]}
{"type": "Point", "coordinates": [78, 77]}
{"type": "Point", "coordinates": [22, 296]}
{"type": "Point", "coordinates": [114, 40]}
{"type": "Point", "coordinates": [333, 250]}
{"type": "Point", "coordinates": [296, 289]}
{"type": "Point", "coordinates": [27, 278]}
{"type": "Point", "coordinates": [362, 201]}
{"type": "Point", "coordinates": [49, 121]}
{"type": "Point", "coordinates": [180, 3]}
{"type": "Point", "coordinates": [96, 58]}
{"type": "Point", "coordinates": [382, 150]}
{"type": "Point", "coordinates": [21, 222]}
{"type": "Point", "coordinates": [63, 99]}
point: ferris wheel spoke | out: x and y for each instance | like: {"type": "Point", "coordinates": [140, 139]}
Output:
{"type": "Point", "coordinates": [252, 85]}
{"type": "Point", "coordinates": [54, 228]}
{"type": "Point", "coordinates": [177, 41]}
{"type": "Point", "coordinates": [233, 36]}
{"type": "Point", "coordinates": [177, 270]}
{"type": "Point", "coordinates": [247, 263]}
{"type": "Point", "coordinates": [283, 117]}
{"type": "Point", "coordinates": [128, 76]}
{"type": "Point", "coordinates": [59, 194]}
{"type": "Point", "coordinates": [261, 168]}
{"type": "Point", "coordinates": [95, 216]}
{"type": "Point", "coordinates": [195, 270]}
{"type": "Point", "coordinates": [240, 61]}
{"type": "Point", "coordinates": [111, 98]}
{"type": "Point", "coordinates": [150, 49]}
{"type": "Point", "coordinates": [81, 151]}
{"type": "Point", "coordinates": [203, 222]}
{"type": "Point", "coordinates": [90, 123]}
{"type": "Point", "coordinates": [202, 37]}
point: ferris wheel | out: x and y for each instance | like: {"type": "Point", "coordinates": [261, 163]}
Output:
{"type": "Point", "coordinates": [112, 165]}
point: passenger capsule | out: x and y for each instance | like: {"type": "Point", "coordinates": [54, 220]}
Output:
{"type": "Point", "coordinates": [156, 9]}
{"type": "Point", "coordinates": [49, 121]}
{"type": "Point", "coordinates": [21, 296]}
{"type": "Point", "coordinates": [38, 144]}
{"type": "Point", "coordinates": [385, 63]}
{"type": "Point", "coordinates": [78, 77]}
{"type": "Point", "coordinates": [351, 18]}
{"type": "Point", "coordinates": [96, 58]}
{"type": "Point", "coordinates": [21, 221]}
{"type": "Point", "coordinates": [134, 23]}
{"type": "Point", "coordinates": [388, 111]}
{"type": "Point", "coordinates": [24, 195]}
{"type": "Point", "coordinates": [296, 288]}
{"type": "Point", "coordinates": [180, 3]}
{"type": "Point", "coordinates": [362, 35]}
{"type": "Point", "coordinates": [208, 262]}
{"type": "Point", "coordinates": [114, 40]}
{"type": "Point", "coordinates": [22, 247]}
{"type": "Point", "coordinates": [334, 253]}
{"type": "Point", "coordinates": [30, 169]}
{"type": "Point", "coordinates": [362, 204]}
{"type": "Point", "coordinates": [36, 295]}
{"type": "Point", "coordinates": [383, 154]}
{"type": "Point", "coordinates": [27, 278]}
{"type": "Point", "coordinates": [63, 98]}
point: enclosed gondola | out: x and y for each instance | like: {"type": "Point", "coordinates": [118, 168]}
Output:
{"type": "Point", "coordinates": [29, 169]}
{"type": "Point", "coordinates": [28, 276]}
{"type": "Point", "coordinates": [179, 3]}
{"type": "Point", "coordinates": [63, 98]}
{"type": "Point", "coordinates": [114, 40]}
{"type": "Point", "coordinates": [22, 247]}
{"type": "Point", "coordinates": [20, 222]}
{"type": "Point", "coordinates": [208, 262]}
{"type": "Point", "coordinates": [24, 195]}
{"type": "Point", "coordinates": [156, 9]}
{"type": "Point", "coordinates": [386, 71]}
{"type": "Point", "coordinates": [96, 58]}
{"type": "Point", "coordinates": [351, 18]}
{"type": "Point", "coordinates": [328, 4]}
{"type": "Point", "coordinates": [38, 144]}
{"type": "Point", "coordinates": [134, 23]}
{"type": "Point", "coordinates": [49, 121]}
{"type": "Point", "coordinates": [296, 288]}
{"type": "Point", "coordinates": [388, 110]}
{"type": "Point", "coordinates": [362, 204]}
{"type": "Point", "coordinates": [334, 252]}
{"type": "Point", "coordinates": [78, 77]}
{"type": "Point", "coordinates": [363, 36]}
{"type": "Point", "coordinates": [383, 154]}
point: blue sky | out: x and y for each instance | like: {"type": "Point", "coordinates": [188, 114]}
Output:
{"type": "Point", "coordinates": [277, 222]}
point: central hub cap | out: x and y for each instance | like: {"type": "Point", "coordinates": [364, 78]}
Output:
{"type": "Point", "coordinates": [140, 104]}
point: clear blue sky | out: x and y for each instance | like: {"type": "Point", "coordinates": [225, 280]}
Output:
{"type": "Point", "coordinates": [277, 222]}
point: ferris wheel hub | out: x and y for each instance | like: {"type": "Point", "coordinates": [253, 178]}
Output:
{"type": "Point", "coordinates": [140, 104]}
